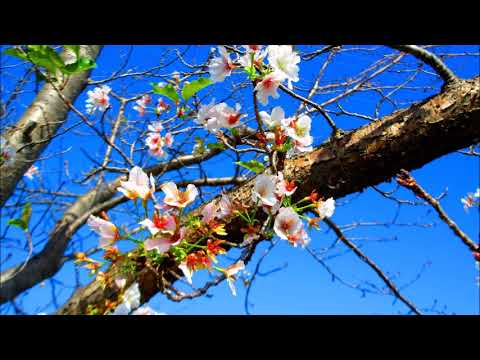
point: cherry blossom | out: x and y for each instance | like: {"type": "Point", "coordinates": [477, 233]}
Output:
{"type": "Point", "coordinates": [264, 190]}
{"type": "Point", "coordinates": [168, 139]}
{"type": "Point", "coordinates": [268, 87]}
{"type": "Point", "coordinates": [31, 172]}
{"type": "Point", "coordinates": [146, 310]}
{"type": "Point", "coordinates": [138, 185]}
{"type": "Point", "coordinates": [155, 145]}
{"type": "Point", "coordinates": [226, 207]}
{"type": "Point", "coordinates": [98, 99]}
{"type": "Point", "coordinates": [299, 237]}
{"type": "Point", "coordinates": [258, 55]}
{"type": "Point", "coordinates": [176, 198]}
{"type": "Point", "coordinates": [284, 187]}
{"type": "Point", "coordinates": [228, 117]}
{"type": "Point", "coordinates": [469, 200]}
{"type": "Point", "coordinates": [160, 223]}
{"type": "Point", "coordinates": [230, 273]}
{"type": "Point", "coordinates": [142, 104]}
{"type": "Point", "coordinates": [187, 271]}
{"type": "Point", "coordinates": [163, 242]}
{"type": "Point", "coordinates": [209, 116]}
{"type": "Point", "coordinates": [284, 61]}
{"type": "Point", "coordinates": [161, 106]}
{"type": "Point", "coordinates": [131, 300]}
{"type": "Point", "coordinates": [108, 232]}
{"type": "Point", "coordinates": [287, 222]}
{"type": "Point", "coordinates": [275, 119]}
{"type": "Point", "coordinates": [325, 208]}
{"type": "Point", "coordinates": [155, 127]}
{"type": "Point", "coordinates": [209, 212]}
{"type": "Point", "coordinates": [221, 66]}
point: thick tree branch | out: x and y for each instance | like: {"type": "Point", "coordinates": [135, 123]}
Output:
{"type": "Point", "coordinates": [41, 120]}
{"type": "Point", "coordinates": [406, 139]}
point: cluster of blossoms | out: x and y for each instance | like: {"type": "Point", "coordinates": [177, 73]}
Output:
{"type": "Point", "coordinates": [98, 99]}
{"type": "Point", "coordinates": [213, 117]}
{"type": "Point", "coordinates": [156, 142]}
{"type": "Point", "coordinates": [282, 61]}
{"type": "Point", "coordinates": [142, 103]}
{"type": "Point", "coordinates": [297, 129]}
{"type": "Point", "coordinates": [271, 191]}
{"type": "Point", "coordinates": [471, 200]}
{"type": "Point", "coordinates": [167, 235]}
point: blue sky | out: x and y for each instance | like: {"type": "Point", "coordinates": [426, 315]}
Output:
{"type": "Point", "coordinates": [299, 285]}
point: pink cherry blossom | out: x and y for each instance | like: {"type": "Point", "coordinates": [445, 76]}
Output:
{"type": "Point", "coordinates": [209, 212]}
{"type": "Point", "coordinates": [108, 232]}
{"type": "Point", "coordinates": [168, 139]}
{"type": "Point", "coordinates": [163, 223]}
{"type": "Point", "coordinates": [163, 242]}
{"type": "Point", "coordinates": [142, 104]}
{"type": "Point", "coordinates": [161, 106]}
{"type": "Point", "coordinates": [226, 207]}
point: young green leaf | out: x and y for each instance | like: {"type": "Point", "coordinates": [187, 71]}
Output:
{"type": "Point", "coordinates": [17, 53]}
{"type": "Point", "coordinates": [216, 146]}
{"type": "Point", "coordinates": [27, 213]}
{"type": "Point", "coordinates": [167, 90]}
{"type": "Point", "coordinates": [19, 223]}
{"type": "Point", "coordinates": [252, 165]}
{"type": "Point", "coordinates": [192, 88]}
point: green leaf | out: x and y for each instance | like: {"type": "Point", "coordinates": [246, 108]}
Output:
{"type": "Point", "coordinates": [235, 132]}
{"type": "Point", "coordinates": [192, 88]}
{"type": "Point", "coordinates": [82, 64]}
{"type": "Point", "coordinates": [16, 52]}
{"type": "Point", "coordinates": [27, 213]}
{"type": "Point", "coordinates": [252, 165]}
{"type": "Point", "coordinates": [216, 146]}
{"type": "Point", "coordinates": [19, 223]}
{"type": "Point", "coordinates": [167, 90]}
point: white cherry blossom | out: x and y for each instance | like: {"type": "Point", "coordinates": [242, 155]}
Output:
{"type": "Point", "coordinates": [176, 198]}
{"type": "Point", "coordinates": [264, 190]}
{"type": "Point", "coordinates": [325, 208]}
{"type": "Point", "coordinates": [221, 66]}
{"type": "Point", "coordinates": [98, 99]}
{"type": "Point", "coordinates": [284, 61]}
{"type": "Point", "coordinates": [268, 86]}
{"type": "Point", "coordinates": [287, 223]}
{"type": "Point", "coordinates": [138, 185]}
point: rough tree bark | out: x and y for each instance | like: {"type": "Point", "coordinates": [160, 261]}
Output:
{"type": "Point", "coordinates": [407, 139]}
{"type": "Point", "coordinates": [39, 124]}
